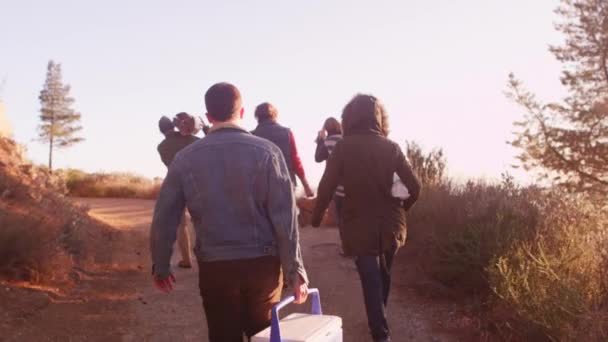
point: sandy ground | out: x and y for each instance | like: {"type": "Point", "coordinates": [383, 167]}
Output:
{"type": "Point", "coordinates": [120, 303]}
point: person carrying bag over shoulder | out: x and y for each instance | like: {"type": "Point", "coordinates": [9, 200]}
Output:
{"type": "Point", "coordinates": [365, 162]}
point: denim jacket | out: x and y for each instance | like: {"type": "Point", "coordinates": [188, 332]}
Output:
{"type": "Point", "coordinates": [238, 191]}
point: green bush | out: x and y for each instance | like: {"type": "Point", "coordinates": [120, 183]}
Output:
{"type": "Point", "coordinates": [467, 225]}
{"type": "Point", "coordinates": [554, 281]}
{"type": "Point", "coordinates": [532, 257]}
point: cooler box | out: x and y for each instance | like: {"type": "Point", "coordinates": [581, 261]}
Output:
{"type": "Point", "coordinates": [299, 327]}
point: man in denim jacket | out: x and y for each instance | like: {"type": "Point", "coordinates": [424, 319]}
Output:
{"type": "Point", "coordinates": [238, 191]}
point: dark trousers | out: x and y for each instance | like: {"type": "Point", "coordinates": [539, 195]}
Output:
{"type": "Point", "coordinates": [375, 274]}
{"type": "Point", "coordinates": [238, 296]}
{"type": "Point", "coordinates": [339, 203]}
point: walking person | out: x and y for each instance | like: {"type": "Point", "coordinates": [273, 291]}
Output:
{"type": "Point", "coordinates": [268, 128]}
{"type": "Point", "coordinates": [237, 188]}
{"type": "Point", "coordinates": [364, 162]}
{"type": "Point", "coordinates": [174, 142]}
{"type": "Point", "coordinates": [327, 139]}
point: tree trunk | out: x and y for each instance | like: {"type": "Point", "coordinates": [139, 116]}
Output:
{"type": "Point", "coordinates": [51, 154]}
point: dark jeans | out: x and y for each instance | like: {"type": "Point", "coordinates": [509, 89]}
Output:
{"type": "Point", "coordinates": [375, 274]}
{"type": "Point", "coordinates": [339, 204]}
{"type": "Point", "coordinates": [238, 296]}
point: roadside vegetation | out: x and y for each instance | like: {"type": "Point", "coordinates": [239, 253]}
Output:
{"type": "Point", "coordinates": [43, 235]}
{"type": "Point", "coordinates": [532, 261]}
{"type": "Point", "coordinates": [114, 185]}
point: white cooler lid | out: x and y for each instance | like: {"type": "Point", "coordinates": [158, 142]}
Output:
{"type": "Point", "coordinates": [299, 327]}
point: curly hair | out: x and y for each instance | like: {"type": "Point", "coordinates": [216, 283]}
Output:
{"type": "Point", "coordinates": [185, 123]}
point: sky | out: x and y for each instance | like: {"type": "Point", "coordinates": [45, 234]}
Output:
{"type": "Point", "coordinates": [440, 67]}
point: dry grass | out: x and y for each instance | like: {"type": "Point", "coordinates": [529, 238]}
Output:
{"type": "Point", "coordinates": [534, 259]}
{"type": "Point", "coordinates": [112, 185]}
{"type": "Point", "coordinates": [555, 281]}
{"type": "Point", "coordinates": [42, 234]}
{"type": "Point", "coordinates": [27, 252]}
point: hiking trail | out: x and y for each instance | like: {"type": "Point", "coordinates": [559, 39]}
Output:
{"type": "Point", "coordinates": [121, 304]}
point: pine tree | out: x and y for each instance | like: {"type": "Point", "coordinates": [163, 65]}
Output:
{"type": "Point", "coordinates": [60, 123]}
{"type": "Point", "coordinates": [567, 141]}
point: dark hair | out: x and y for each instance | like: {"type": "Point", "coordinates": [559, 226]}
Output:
{"type": "Point", "coordinates": [266, 111]}
{"type": "Point", "coordinates": [365, 112]}
{"type": "Point", "coordinates": [222, 100]}
{"type": "Point", "coordinates": [332, 126]}
{"type": "Point", "coordinates": [165, 125]}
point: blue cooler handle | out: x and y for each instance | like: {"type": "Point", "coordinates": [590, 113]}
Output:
{"type": "Point", "coordinates": [275, 330]}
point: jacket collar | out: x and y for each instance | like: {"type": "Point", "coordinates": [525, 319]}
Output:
{"type": "Point", "coordinates": [226, 125]}
{"type": "Point", "coordinates": [268, 122]}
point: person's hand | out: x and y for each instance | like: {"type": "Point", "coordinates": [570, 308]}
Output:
{"type": "Point", "coordinates": [308, 191]}
{"type": "Point", "coordinates": [164, 284]}
{"type": "Point", "coordinates": [300, 290]}
{"type": "Point", "coordinates": [322, 135]}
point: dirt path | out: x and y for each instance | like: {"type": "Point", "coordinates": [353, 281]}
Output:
{"type": "Point", "coordinates": [126, 307]}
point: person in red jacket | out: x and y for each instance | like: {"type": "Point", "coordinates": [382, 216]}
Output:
{"type": "Point", "coordinates": [268, 128]}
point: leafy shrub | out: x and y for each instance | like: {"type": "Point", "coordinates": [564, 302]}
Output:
{"type": "Point", "coordinates": [535, 258]}
{"type": "Point", "coordinates": [468, 225]}
{"type": "Point", "coordinates": [554, 282]}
